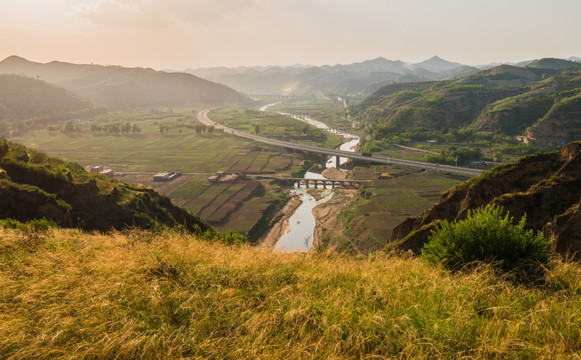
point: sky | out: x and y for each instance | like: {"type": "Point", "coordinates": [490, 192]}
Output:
{"type": "Point", "coordinates": [180, 34]}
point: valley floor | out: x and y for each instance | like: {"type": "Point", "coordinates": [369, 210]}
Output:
{"type": "Point", "coordinates": [138, 294]}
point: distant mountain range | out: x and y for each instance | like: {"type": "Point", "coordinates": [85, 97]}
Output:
{"type": "Point", "coordinates": [120, 88]}
{"type": "Point", "coordinates": [541, 100]}
{"type": "Point", "coordinates": [361, 78]}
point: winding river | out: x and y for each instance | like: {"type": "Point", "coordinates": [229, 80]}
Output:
{"type": "Point", "coordinates": [301, 227]}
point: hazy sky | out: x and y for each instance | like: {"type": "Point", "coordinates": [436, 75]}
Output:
{"type": "Point", "coordinates": [200, 33]}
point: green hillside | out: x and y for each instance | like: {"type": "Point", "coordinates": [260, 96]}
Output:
{"type": "Point", "coordinates": [33, 186]}
{"type": "Point", "coordinates": [441, 104]}
{"type": "Point", "coordinates": [552, 63]}
{"type": "Point", "coordinates": [546, 112]}
{"type": "Point", "coordinates": [505, 100]}
{"type": "Point", "coordinates": [120, 88]}
{"type": "Point", "coordinates": [23, 98]}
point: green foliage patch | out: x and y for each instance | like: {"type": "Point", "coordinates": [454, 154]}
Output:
{"type": "Point", "coordinates": [489, 236]}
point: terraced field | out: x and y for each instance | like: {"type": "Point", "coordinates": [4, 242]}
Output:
{"type": "Point", "coordinates": [372, 215]}
{"type": "Point", "coordinates": [135, 157]}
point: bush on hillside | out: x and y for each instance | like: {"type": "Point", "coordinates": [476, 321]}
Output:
{"type": "Point", "coordinates": [488, 235]}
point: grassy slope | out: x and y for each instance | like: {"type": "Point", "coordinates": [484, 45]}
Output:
{"type": "Point", "coordinates": [504, 99]}
{"type": "Point", "coordinates": [67, 294]}
{"type": "Point", "coordinates": [23, 98]}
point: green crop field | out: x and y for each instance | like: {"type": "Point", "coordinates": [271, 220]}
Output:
{"type": "Point", "coordinates": [168, 141]}
{"type": "Point", "coordinates": [274, 126]}
{"type": "Point", "coordinates": [386, 202]}
{"type": "Point", "coordinates": [329, 112]}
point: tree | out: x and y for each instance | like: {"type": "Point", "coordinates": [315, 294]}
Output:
{"type": "Point", "coordinates": [69, 127]}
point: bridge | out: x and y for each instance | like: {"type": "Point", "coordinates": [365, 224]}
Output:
{"type": "Point", "coordinates": [375, 159]}
{"type": "Point", "coordinates": [316, 182]}
{"type": "Point", "coordinates": [276, 97]}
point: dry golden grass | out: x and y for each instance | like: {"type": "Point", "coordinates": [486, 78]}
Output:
{"type": "Point", "coordinates": [137, 294]}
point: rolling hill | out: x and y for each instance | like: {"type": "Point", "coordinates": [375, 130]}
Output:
{"type": "Point", "coordinates": [23, 98]}
{"type": "Point", "coordinates": [120, 88]}
{"type": "Point", "coordinates": [511, 100]}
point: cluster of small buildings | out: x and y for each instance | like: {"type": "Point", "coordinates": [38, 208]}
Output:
{"type": "Point", "coordinates": [101, 169]}
{"type": "Point", "coordinates": [166, 176]}
{"type": "Point", "coordinates": [221, 176]}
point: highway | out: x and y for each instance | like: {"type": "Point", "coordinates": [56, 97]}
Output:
{"type": "Point", "coordinates": [375, 159]}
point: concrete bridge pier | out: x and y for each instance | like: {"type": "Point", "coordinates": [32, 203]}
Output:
{"type": "Point", "coordinates": [337, 161]}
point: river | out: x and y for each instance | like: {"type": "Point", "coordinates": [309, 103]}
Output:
{"type": "Point", "coordinates": [301, 226]}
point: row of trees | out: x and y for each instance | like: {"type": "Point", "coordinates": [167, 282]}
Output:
{"type": "Point", "coordinates": [124, 129]}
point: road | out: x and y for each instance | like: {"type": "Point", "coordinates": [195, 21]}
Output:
{"type": "Point", "coordinates": [375, 159]}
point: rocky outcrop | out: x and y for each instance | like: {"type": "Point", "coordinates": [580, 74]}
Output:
{"type": "Point", "coordinates": [25, 203]}
{"type": "Point", "coordinates": [544, 187]}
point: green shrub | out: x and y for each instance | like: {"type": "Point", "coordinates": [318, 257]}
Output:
{"type": "Point", "coordinates": [34, 225]}
{"type": "Point", "coordinates": [486, 235]}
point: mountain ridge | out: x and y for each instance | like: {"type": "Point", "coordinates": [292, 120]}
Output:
{"type": "Point", "coordinates": [506, 99]}
{"type": "Point", "coordinates": [22, 98]}
{"type": "Point", "coordinates": [121, 88]}
{"type": "Point", "coordinates": [362, 77]}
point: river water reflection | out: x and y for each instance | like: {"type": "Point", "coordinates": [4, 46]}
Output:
{"type": "Point", "coordinates": [299, 234]}
{"type": "Point", "coordinates": [301, 225]}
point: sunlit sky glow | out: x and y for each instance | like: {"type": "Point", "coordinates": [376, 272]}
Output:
{"type": "Point", "coordinates": [182, 34]}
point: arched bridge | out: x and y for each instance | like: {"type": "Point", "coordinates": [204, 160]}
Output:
{"type": "Point", "coordinates": [276, 97]}
{"type": "Point", "coordinates": [316, 182]}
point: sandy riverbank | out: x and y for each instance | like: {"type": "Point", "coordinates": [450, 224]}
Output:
{"type": "Point", "coordinates": [280, 227]}
{"type": "Point", "coordinates": [325, 214]}
{"type": "Point", "coordinates": [327, 224]}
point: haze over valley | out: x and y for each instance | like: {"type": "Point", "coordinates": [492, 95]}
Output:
{"type": "Point", "coordinates": [176, 181]}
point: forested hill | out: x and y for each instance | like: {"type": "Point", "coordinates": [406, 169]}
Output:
{"type": "Point", "coordinates": [542, 103]}
{"type": "Point", "coordinates": [35, 186]}
{"type": "Point", "coordinates": [120, 88]}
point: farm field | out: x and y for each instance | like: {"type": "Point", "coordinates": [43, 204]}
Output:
{"type": "Point", "coordinates": [328, 111]}
{"type": "Point", "coordinates": [274, 126]}
{"type": "Point", "coordinates": [135, 157]}
{"type": "Point", "coordinates": [394, 195]}
{"type": "Point", "coordinates": [173, 141]}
